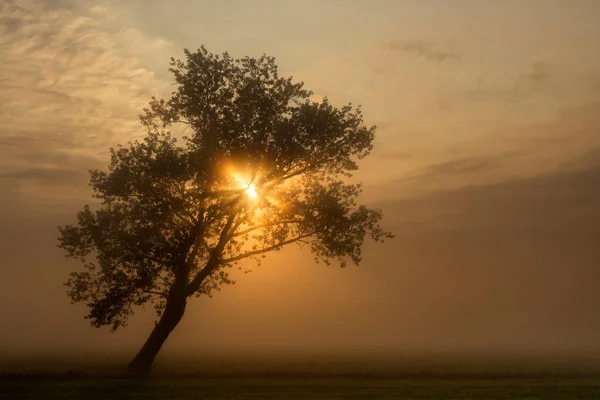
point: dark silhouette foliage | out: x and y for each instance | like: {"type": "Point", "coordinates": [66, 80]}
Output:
{"type": "Point", "coordinates": [262, 166]}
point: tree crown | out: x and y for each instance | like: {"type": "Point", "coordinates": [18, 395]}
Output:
{"type": "Point", "coordinates": [262, 167]}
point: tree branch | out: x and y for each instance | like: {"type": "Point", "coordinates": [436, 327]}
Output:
{"type": "Point", "coordinates": [175, 212]}
{"type": "Point", "coordinates": [161, 294]}
{"type": "Point", "coordinates": [284, 177]}
{"type": "Point", "coordinates": [266, 249]}
{"type": "Point", "coordinates": [181, 217]}
{"type": "Point", "coordinates": [197, 236]}
{"type": "Point", "coordinates": [214, 260]}
{"type": "Point", "coordinates": [261, 226]}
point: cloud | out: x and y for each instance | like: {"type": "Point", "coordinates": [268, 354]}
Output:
{"type": "Point", "coordinates": [396, 155]}
{"type": "Point", "coordinates": [461, 166]}
{"type": "Point", "coordinates": [53, 175]}
{"type": "Point", "coordinates": [67, 93]}
{"type": "Point", "coordinates": [563, 200]}
{"type": "Point", "coordinates": [539, 74]}
{"type": "Point", "coordinates": [525, 248]}
{"type": "Point", "coordinates": [538, 80]}
{"type": "Point", "coordinates": [589, 160]}
{"type": "Point", "coordinates": [424, 50]}
{"type": "Point", "coordinates": [455, 169]}
{"type": "Point", "coordinates": [499, 149]}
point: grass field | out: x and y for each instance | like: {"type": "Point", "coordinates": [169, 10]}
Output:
{"type": "Point", "coordinates": [180, 388]}
{"type": "Point", "coordinates": [309, 377]}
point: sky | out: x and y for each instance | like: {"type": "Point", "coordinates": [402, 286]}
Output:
{"type": "Point", "coordinates": [486, 165]}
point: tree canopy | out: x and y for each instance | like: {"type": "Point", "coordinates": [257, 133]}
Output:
{"type": "Point", "coordinates": [261, 166]}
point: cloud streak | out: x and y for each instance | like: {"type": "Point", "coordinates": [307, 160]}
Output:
{"type": "Point", "coordinates": [424, 50]}
{"type": "Point", "coordinates": [537, 81]}
{"type": "Point", "coordinates": [67, 92]}
{"type": "Point", "coordinates": [455, 169]}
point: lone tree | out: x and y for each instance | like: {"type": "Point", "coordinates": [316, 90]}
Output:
{"type": "Point", "coordinates": [261, 168]}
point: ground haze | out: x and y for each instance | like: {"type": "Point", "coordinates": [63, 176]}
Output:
{"type": "Point", "coordinates": [313, 376]}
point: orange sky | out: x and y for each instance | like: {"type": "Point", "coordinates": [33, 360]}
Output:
{"type": "Point", "coordinates": [486, 164]}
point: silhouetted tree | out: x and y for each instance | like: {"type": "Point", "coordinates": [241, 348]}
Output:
{"type": "Point", "coordinates": [262, 167]}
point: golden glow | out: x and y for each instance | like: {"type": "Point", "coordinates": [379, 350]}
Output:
{"type": "Point", "coordinates": [251, 191]}
{"type": "Point", "coordinates": [244, 183]}
{"type": "Point", "coordinates": [249, 187]}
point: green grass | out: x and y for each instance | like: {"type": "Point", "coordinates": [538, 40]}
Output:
{"type": "Point", "coordinates": [245, 388]}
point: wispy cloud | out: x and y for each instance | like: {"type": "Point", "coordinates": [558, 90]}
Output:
{"type": "Point", "coordinates": [67, 93]}
{"type": "Point", "coordinates": [396, 155]}
{"type": "Point", "coordinates": [537, 80]}
{"type": "Point", "coordinates": [461, 166]}
{"type": "Point", "coordinates": [565, 196]}
{"type": "Point", "coordinates": [424, 50]}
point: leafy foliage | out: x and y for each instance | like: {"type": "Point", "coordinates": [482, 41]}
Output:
{"type": "Point", "coordinates": [174, 214]}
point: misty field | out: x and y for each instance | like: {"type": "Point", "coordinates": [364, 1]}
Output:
{"type": "Point", "coordinates": [179, 388]}
{"type": "Point", "coordinates": [417, 376]}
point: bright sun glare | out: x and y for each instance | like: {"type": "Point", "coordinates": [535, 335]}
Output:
{"type": "Point", "coordinates": [248, 187]}
{"type": "Point", "coordinates": [251, 191]}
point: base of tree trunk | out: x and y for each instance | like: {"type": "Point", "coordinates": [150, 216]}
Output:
{"type": "Point", "coordinates": [142, 362]}
{"type": "Point", "coordinates": [139, 367]}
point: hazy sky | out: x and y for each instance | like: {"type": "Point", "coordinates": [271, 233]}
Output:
{"type": "Point", "coordinates": [486, 164]}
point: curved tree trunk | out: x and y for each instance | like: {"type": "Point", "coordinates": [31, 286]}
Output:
{"type": "Point", "coordinates": [171, 316]}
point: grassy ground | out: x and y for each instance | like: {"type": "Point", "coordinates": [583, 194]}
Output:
{"type": "Point", "coordinates": [419, 377]}
{"type": "Point", "coordinates": [244, 388]}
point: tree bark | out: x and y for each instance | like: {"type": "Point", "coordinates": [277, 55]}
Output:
{"type": "Point", "coordinates": [171, 316]}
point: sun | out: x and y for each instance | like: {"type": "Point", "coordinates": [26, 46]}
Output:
{"type": "Point", "coordinates": [251, 191]}
{"type": "Point", "coordinates": [247, 186]}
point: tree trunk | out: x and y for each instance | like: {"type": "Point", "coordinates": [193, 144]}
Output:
{"type": "Point", "coordinates": [171, 316]}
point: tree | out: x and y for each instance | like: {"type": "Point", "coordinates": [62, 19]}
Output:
{"type": "Point", "coordinates": [263, 167]}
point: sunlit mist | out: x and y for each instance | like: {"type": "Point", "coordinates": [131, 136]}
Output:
{"type": "Point", "coordinates": [486, 166]}
{"type": "Point", "coordinates": [251, 192]}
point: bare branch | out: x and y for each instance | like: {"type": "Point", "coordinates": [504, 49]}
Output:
{"type": "Point", "coordinates": [266, 249]}
{"type": "Point", "coordinates": [198, 233]}
{"type": "Point", "coordinates": [213, 261]}
{"type": "Point", "coordinates": [161, 294]}
{"type": "Point", "coordinates": [261, 226]}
